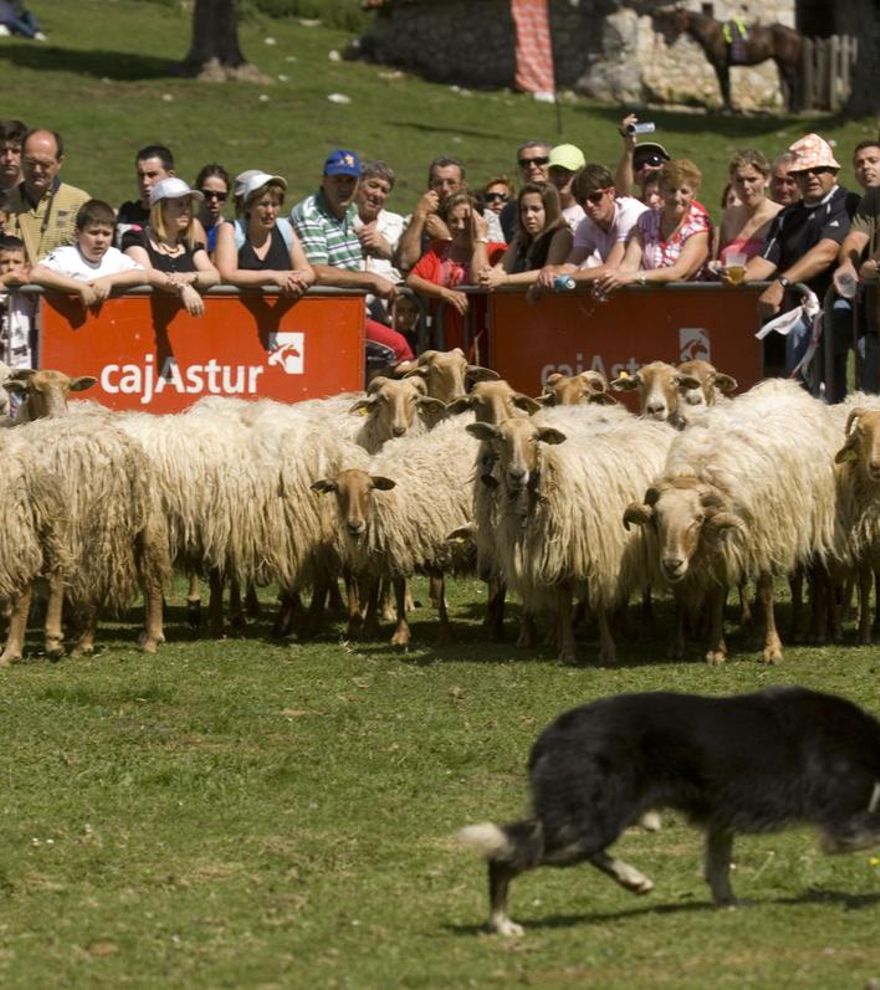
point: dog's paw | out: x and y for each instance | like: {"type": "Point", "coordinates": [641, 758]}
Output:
{"type": "Point", "coordinates": [650, 821]}
{"type": "Point", "coordinates": [504, 926]}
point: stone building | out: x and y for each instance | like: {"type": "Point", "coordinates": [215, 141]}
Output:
{"type": "Point", "coordinates": [607, 49]}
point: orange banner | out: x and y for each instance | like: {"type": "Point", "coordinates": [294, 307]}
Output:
{"type": "Point", "coordinates": [571, 332]}
{"type": "Point", "coordinates": [149, 354]}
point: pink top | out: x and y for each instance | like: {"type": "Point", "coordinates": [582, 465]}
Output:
{"type": "Point", "coordinates": [749, 246]}
{"type": "Point", "coordinates": [658, 253]}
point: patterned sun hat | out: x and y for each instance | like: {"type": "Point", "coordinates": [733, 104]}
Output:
{"type": "Point", "coordinates": [812, 152]}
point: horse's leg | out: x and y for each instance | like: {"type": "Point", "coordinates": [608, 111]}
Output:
{"type": "Point", "coordinates": [722, 70]}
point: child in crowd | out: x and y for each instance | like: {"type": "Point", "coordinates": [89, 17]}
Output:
{"type": "Point", "coordinates": [16, 310]}
{"type": "Point", "coordinates": [406, 314]}
{"type": "Point", "coordinates": [91, 268]}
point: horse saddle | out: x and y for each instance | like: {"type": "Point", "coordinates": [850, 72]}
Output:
{"type": "Point", "coordinates": [736, 34]}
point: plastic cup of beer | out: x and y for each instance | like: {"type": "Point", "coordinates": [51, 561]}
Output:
{"type": "Point", "coordinates": [735, 267]}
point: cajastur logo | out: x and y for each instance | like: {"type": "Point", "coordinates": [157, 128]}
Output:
{"type": "Point", "coordinates": [694, 344]}
{"type": "Point", "coordinates": [287, 349]}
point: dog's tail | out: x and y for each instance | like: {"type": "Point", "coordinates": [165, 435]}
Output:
{"type": "Point", "coordinates": [520, 843]}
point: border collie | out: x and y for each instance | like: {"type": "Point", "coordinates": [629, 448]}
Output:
{"type": "Point", "coordinates": [748, 763]}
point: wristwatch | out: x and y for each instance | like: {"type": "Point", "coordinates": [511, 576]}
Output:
{"type": "Point", "coordinates": [783, 281]}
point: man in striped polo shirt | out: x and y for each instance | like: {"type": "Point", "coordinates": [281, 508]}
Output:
{"type": "Point", "coordinates": [325, 224]}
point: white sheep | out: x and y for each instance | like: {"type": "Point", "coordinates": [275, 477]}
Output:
{"type": "Point", "coordinates": [103, 534]}
{"type": "Point", "coordinates": [396, 513]}
{"type": "Point", "coordinates": [557, 530]}
{"type": "Point", "coordinates": [858, 490]}
{"type": "Point", "coordinates": [746, 493]}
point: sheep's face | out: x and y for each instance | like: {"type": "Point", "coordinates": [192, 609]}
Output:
{"type": "Point", "coordinates": [678, 517]}
{"type": "Point", "coordinates": [699, 382]}
{"type": "Point", "coordinates": [447, 373]}
{"type": "Point", "coordinates": [574, 390]}
{"type": "Point", "coordinates": [687, 518]}
{"type": "Point", "coordinates": [45, 392]}
{"type": "Point", "coordinates": [493, 402]}
{"type": "Point", "coordinates": [354, 493]}
{"type": "Point", "coordinates": [863, 443]}
{"type": "Point", "coordinates": [658, 396]}
{"type": "Point", "coordinates": [393, 405]}
{"type": "Point", "coordinates": [515, 444]}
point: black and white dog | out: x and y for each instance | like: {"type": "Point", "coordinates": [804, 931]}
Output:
{"type": "Point", "coordinates": [750, 763]}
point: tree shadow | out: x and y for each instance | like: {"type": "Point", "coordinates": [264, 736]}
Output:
{"type": "Point", "coordinates": [118, 66]}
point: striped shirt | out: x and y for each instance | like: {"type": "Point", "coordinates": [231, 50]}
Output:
{"type": "Point", "coordinates": [326, 239]}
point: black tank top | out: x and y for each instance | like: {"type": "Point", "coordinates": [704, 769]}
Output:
{"type": "Point", "coordinates": [277, 257]}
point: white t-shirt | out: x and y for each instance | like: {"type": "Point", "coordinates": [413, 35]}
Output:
{"type": "Point", "coordinates": [68, 260]}
{"type": "Point", "coordinates": [598, 242]}
{"type": "Point", "coordinates": [573, 214]}
{"type": "Point", "coordinates": [390, 226]}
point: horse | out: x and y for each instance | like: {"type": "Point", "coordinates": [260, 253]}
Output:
{"type": "Point", "coordinates": [764, 41]}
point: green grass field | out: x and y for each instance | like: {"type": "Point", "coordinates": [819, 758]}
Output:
{"type": "Point", "coordinates": [248, 814]}
{"type": "Point", "coordinates": [103, 81]}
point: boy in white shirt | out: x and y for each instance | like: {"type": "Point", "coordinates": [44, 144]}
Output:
{"type": "Point", "coordinates": [91, 268]}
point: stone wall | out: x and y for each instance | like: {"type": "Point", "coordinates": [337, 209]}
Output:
{"type": "Point", "coordinates": [606, 49]}
{"type": "Point", "coordinates": [471, 42]}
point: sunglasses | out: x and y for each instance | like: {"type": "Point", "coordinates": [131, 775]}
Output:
{"type": "Point", "coordinates": [818, 170]}
{"type": "Point", "coordinates": [537, 162]}
{"type": "Point", "coordinates": [213, 194]}
{"type": "Point", "coordinates": [596, 197]}
{"type": "Point", "coordinates": [654, 159]}
{"type": "Point", "coordinates": [496, 197]}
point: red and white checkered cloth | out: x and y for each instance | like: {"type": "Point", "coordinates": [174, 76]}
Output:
{"type": "Point", "coordinates": [534, 52]}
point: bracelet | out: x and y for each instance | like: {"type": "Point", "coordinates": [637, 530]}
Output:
{"type": "Point", "coordinates": [783, 281]}
{"type": "Point", "coordinates": [642, 278]}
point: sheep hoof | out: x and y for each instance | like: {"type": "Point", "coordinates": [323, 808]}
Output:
{"type": "Point", "coordinates": [716, 657]}
{"type": "Point", "coordinates": [400, 638]}
{"type": "Point", "coordinates": [8, 659]}
{"type": "Point", "coordinates": [771, 654]}
{"type": "Point", "coordinates": [54, 650]}
{"type": "Point", "coordinates": [148, 643]}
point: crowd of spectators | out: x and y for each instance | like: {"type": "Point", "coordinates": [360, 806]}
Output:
{"type": "Point", "coordinates": [564, 221]}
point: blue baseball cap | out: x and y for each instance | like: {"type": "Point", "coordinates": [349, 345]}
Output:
{"type": "Point", "coordinates": [342, 162]}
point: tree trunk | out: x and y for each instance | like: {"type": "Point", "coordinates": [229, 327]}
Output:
{"type": "Point", "coordinates": [214, 54]}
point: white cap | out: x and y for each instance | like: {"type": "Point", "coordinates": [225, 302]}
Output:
{"type": "Point", "coordinates": [172, 188]}
{"type": "Point", "coordinates": [256, 180]}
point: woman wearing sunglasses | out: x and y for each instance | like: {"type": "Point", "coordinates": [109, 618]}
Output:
{"type": "Point", "coordinates": [495, 195]}
{"type": "Point", "coordinates": [214, 184]}
{"type": "Point", "coordinates": [260, 248]}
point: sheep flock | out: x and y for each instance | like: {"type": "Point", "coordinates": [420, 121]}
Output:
{"type": "Point", "coordinates": [582, 508]}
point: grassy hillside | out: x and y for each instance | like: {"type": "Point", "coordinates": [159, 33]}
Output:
{"type": "Point", "coordinates": [105, 81]}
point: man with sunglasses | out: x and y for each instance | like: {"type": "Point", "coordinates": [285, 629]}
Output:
{"type": "Point", "coordinates": [600, 238]}
{"type": "Point", "coordinates": [803, 243]}
{"type": "Point", "coordinates": [638, 162]}
{"type": "Point", "coordinates": [533, 161]}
